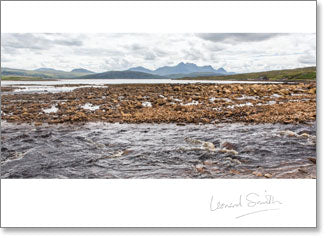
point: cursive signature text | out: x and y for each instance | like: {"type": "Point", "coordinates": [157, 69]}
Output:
{"type": "Point", "coordinates": [259, 202]}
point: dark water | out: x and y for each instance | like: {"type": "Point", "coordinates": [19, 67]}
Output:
{"type": "Point", "coordinates": [100, 150]}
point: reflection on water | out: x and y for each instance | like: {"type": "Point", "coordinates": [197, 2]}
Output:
{"type": "Point", "coordinates": [68, 85]}
{"type": "Point", "coordinates": [20, 89]}
{"type": "Point", "coordinates": [103, 150]}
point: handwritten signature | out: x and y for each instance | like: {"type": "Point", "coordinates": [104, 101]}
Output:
{"type": "Point", "coordinates": [259, 202]}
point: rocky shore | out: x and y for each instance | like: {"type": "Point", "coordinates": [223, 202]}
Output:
{"type": "Point", "coordinates": [167, 103]}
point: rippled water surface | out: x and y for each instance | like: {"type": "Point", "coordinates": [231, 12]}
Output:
{"type": "Point", "coordinates": [121, 81]}
{"type": "Point", "coordinates": [103, 150]}
{"type": "Point", "coordinates": [68, 85]}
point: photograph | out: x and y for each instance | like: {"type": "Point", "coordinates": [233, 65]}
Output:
{"type": "Point", "coordinates": [158, 105]}
{"type": "Point", "coordinates": [196, 116]}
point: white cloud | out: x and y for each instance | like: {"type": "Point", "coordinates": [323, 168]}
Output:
{"type": "Point", "coordinates": [101, 52]}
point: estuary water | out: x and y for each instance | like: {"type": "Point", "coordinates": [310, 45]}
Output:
{"type": "Point", "coordinates": [120, 81]}
{"type": "Point", "coordinates": [68, 85]}
{"type": "Point", "coordinates": [107, 150]}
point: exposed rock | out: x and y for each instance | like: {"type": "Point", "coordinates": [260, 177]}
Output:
{"type": "Point", "coordinates": [123, 103]}
{"type": "Point", "coordinates": [232, 152]}
{"type": "Point", "coordinates": [258, 174]}
{"type": "Point", "coordinates": [181, 124]}
{"type": "Point", "coordinates": [209, 145]}
{"type": "Point", "coordinates": [267, 175]}
{"type": "Point", "coordinates": [200, 168]}
{"type": "Point", "coordinates": [233, 171]}
{"type": "Point", "coordinates": [313, 160]}
{"type": "Point", "coordinates": [302, 170]}
{"type": "Point", "coordinates": [289, 133]}
{"type": "Point", "coordinates": [208, 162]}
{"type": "Point", "coordinates": [305, 135]}
{"type": "Point", "coordinates": [228, 146]}
{"type": "Point", "coordinates": [312, 91]}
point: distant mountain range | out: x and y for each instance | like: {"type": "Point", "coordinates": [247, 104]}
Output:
{"type": "Point", "coordinates": [183, 70]}
{"type": "Point", "coordinates": [127, 74]}
{"type": "Point", "coordinates": [46, 73]}
{"type": "Point", "coordinates": [179, 71]}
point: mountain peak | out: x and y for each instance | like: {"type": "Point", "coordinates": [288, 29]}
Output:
{"type": "Point", "coordinates": [186, 64]}
{"type": "Point", "coordinates": [221, 70]}
{"type": "Point", "coordinates": [81, 70]}
{"type": "Point", "coordinates": [45, 69]}
{"type": "Point", "coordinates": [180, 68]}
{"type": "Point", "coordinates": [140, 69]}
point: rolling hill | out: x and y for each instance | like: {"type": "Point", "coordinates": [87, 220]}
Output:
{"type": "Point", "coordinates": [45, 73]}
{"type": "Point", "coordinates": [307, 73]}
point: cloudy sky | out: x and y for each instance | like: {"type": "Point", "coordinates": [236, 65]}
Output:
{"type": "Point", "coordinates": [244, 52]}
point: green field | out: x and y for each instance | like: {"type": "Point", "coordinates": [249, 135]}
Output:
{"type": "Point", "coordinates": [289, 75]}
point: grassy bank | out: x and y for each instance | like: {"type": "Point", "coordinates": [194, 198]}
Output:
{"type": "Point", "coordinates": [23, 78]}
{"type": "Point", "coordinates": [288, 75]}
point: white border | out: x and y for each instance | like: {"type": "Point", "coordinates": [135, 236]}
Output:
{"type": "Point", "coordinates": [134, 202]}
{"type": "Point", "coordinates": [158, 203]}
{"type": "Point", "coordinates": [163, 16]}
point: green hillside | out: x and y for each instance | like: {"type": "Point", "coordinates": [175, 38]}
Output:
{"type": "Point", "coordinates": [40, 73]}
{"type": "Point", "coordinates": [308, 73]}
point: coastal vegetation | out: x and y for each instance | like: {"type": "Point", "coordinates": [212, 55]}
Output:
{"type": "Point", "coordinates": [299, 74]}
{"type": "Point", "coordinates": [21, 78]}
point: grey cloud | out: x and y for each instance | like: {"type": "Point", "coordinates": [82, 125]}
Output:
{"type": "Point", "coordinates": [233, 38]}
{"type": "Point", "coordinates": [125, 50]}
{"type": "Point", "coordinates": [96, 52]}
{"type": "Point", "coordinates": [137, 47]}
{"type": "Point", "coordinates": [161, 53]}
{"type": "Point", "coordinates": [143, 51]}
{"type": "Point", "coordinates": [149, 56]}
{"type": "Point", "coordinates": [8, 51]}
{"type": "Point", "coordinates": [193, 54]}
{"type": "Point", "coordinates": [35, 41]}
{"type": "Point", "coordinates": [146, 52]}
{"type": "Point", "coordinates": [68, 42]}
{"type": "Point", "coordinates": [307, 59]}
{"type": "Point", "coordinates": [213, 47]}
{"type": "Point", "coordinates": [4, 59]}
{"type": "Point", "coordinates": [23, 41]}
{"type": "Point", "coordinates": [116, 64]}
